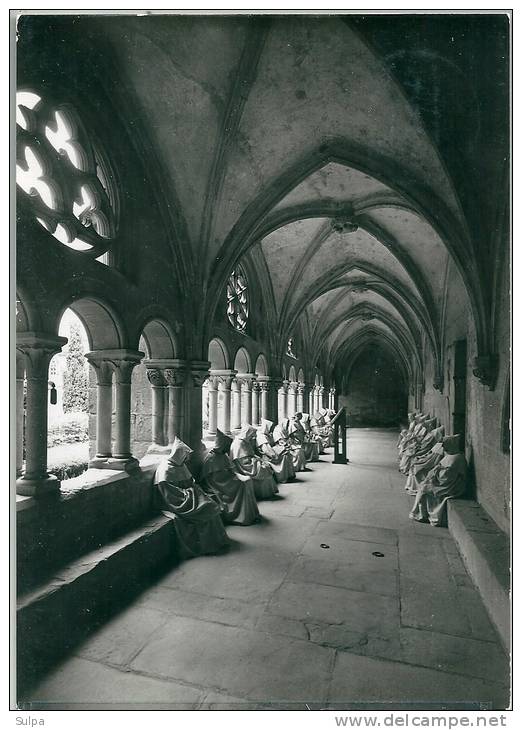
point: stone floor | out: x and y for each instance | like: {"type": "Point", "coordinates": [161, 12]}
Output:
{"type": "Point", "coordinates": [335, 600]}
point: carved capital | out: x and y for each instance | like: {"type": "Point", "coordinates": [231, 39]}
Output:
{"type": "Point", "coordinates": [155, 377]}
{"type": "Point", "coordinates": [264, 386]}
{"type": "Point", "coordinates": [123, 371]}
{"type": "Point", "coordinates": [38, 349]}
{"type": "Point", "coordinates": [174, 377]}
{"type": "Point", "coordinates": [301, 388]}
{"type": "Point", "coordinates": [486, 369]}
{"type": "Point", "coordinates": [256, 387]}
{"type": "Point", "coordinates": [103, 370]}
{"type": "Point", "coordinates": [198, 377]}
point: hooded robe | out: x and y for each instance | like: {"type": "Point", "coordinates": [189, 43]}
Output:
{"type": "Point", "coordinates": [445, 481]}
{"type": "Point", "coordinates": [247, 463]}
{"type": "Point", "coordinates": [195, 515]}
{"type": "Point", "coordinates": [277, 455]}
{"type": "Point", "coordinates": [235, 491]}
{"type": "Point", "coordinates": [421, 465]}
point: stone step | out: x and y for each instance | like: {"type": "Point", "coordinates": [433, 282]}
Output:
{"type": "Point", "coordinates": [53, 617]}
{"type": "Point", "coordinates": [485, 550]}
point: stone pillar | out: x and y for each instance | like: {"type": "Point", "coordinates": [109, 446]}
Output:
{"type": "Point", "coordinates": [316, 398]}
{"type": "Point", "coordinates": [124, 363]}
{"type": "Point", "coordinates": [103, 369]}
{"type": "Point", "coordinates": [158, 387]}
{"type": "Point", "coordinates": [255, 403]}
{"type": "Point", "coordinates": [236, 405]}
{"type": "Point", "coordinates": [224, 379]}
{"type": "Point", "coordinates": [20, 375]}
{"type": "Point", "coordinates": [331, 400]}
{"type": "Point", "coordinates": [175, 374]}
{"type": "Point", "coordinates": [310, 398]}
{"type": "Point", "coordinates": [301, 398]}
{"type": "Point", "coordinates": [282, 401]}
{"type": "Point", "coordinates": [213, 383]}
{"type": "Point", "coordinates": [37, 350]}
{"type": "Point", "coordinates": [192, 429]}
{"type": "Point", "coordinates": [264, 391]}
{"type": "Point", "coordinates": [292, 399]}
{"type": "Point", "coordinates": [246, 404]}
{"type": "Point", "coordinates": [321, 396]}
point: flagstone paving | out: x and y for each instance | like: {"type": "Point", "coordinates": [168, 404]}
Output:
{"type": "Point", "coordinates": [336, 599]}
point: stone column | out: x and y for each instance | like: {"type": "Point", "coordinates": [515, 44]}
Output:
{"type": "Point", "coordinates": [224, 379]}
{"type": "Point", "coordinates": [175, 374]}
{"type": "Point", "coordinates": [321, 396]}
{"type": "Point", "coordinates": [236, 404]}
{"type": "Point", "coordinates": [301, 398]}
{"type": "Point", "coordinates": [213, 383]}
{"type": "Point", "coordinates": [282, 401]}
{"type": "Point", "coordinates": [103, 369]}
{"type": "Point", "coordinates": [225, 395]}
{"type": "Point", "coordinates": [124, 363]}
{"type": "Point", "coordinates": [255, 403]}
{"type": "Point", "coordinates": [264, 392]}
{"type": "Point", "coordinates": [246, 404]}
{"type": "Point", "coordinates": [292, 399]}
{"type": "Point", "coordinates": [37, 350]}
{"type": "Point", "coordinates": [20, 375]}
{"type": "Point", "coordinates": [310, 398]}
{"type": "Point", "coordinates": [317, 404]}
{"type": "Point", "coordinates": [158, 388]}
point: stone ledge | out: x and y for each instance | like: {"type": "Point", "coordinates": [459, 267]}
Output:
{"type": "Point", "coordinates": [89, 511]}
{"type": "Point", "coordinates": [52, 618]}
{"type": "Point", "coordinates": [485, 551]}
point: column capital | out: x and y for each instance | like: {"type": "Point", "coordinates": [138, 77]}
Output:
{"type": "Point", "coordinates": [246, 379]}
{"type": "Point", "coordinates": [121, 361]}
{"type": "Point", "coordinates": [199, 371]}
{"type": "Point", "coordinates": [301, 387]}
{"type": "Point", "coordinates": [155, 377]}
{"type": "Point", "coordinates": [38, 349]}
{"type": "Point", "coordinates": [224, 377]}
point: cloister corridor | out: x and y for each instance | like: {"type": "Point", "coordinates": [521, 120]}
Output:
{"type": "Point", "coordinates": [336, 599]}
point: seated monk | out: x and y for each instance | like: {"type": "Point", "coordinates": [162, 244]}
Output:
{"type": "Point", "coordinates": [310, 448]}
{"type": "Point", "coordinates": [406, 431]}
{"type": "Point", "coordinates": [419, 446]}
{"type": "Point", "coordinates": [423, 463]}
{"type": "Point", "coordinates": [246, 462]}
{"type": "Point", "coordinates": [415, 436]}
{"type": "Point", "coordinates": [322, 431]}
{"type": "Point", "coordinates": [296, 444]}
{"type": "Point", "coordinates": [445, 481]}
{"type": "Point", "coordinates": [235, 491]}
{"type": "Point", "coordinates": [312, 445]}
{"type": "Point", "coordinates": [282, 439]}
{"type": "Point", "coordinates": [195, 515]}
{"type": "Point", "coordinates": [277, 455]}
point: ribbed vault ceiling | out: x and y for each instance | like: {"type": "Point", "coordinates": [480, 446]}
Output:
{"type": "Point", "coordinates": [271, 135]}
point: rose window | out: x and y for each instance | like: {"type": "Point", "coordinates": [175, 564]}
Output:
{"type": "Point", "coordinates": [63, 176]}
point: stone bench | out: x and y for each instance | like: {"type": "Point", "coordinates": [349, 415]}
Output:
{"type": "Point", "coordinates": [485, 550]}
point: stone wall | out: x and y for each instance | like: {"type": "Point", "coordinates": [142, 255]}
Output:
{"type": "Point", "coordinates": [376, 395]}
{"type": "Point", "coordinates": [489, 465]}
